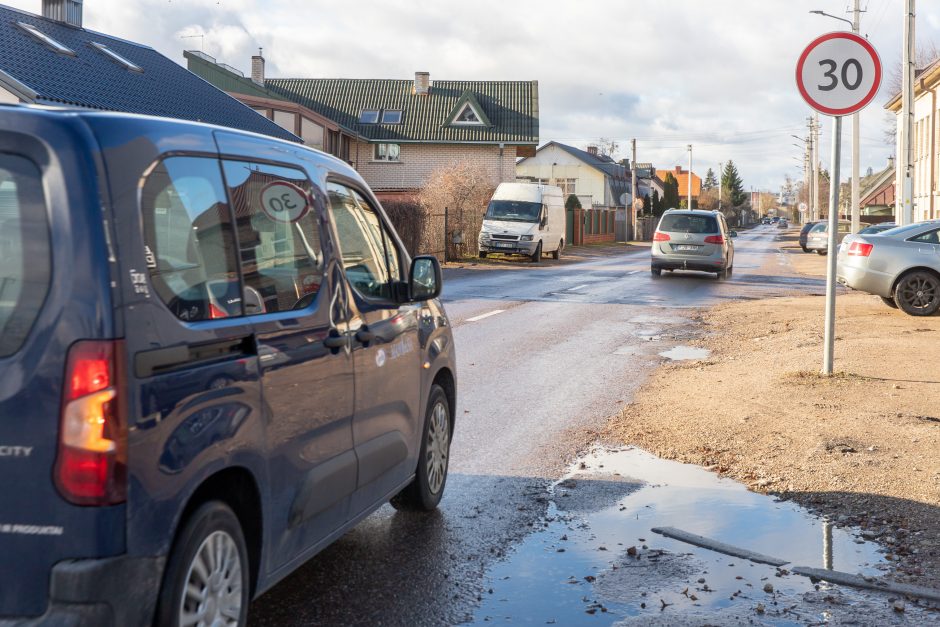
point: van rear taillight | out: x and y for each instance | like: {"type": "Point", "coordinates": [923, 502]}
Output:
{"type": "Point", "coordinates": [660, 237]}
{"type": "Point", "coordinates": [860, 249]}
{"type": "Point", "coordinates": [92, 460]}
{"type": "Point", "coordinates": [714, 239]}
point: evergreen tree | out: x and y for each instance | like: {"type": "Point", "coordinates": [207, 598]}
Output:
{"type": "Point", "coordinates": [572, 202]}
{"type": "Point", "coordinates": [732, 185]}
{"type": "Point", "coordinates": [710, 182]}
{"type": "Point", "coordinates": [670, 192]}
{"type": "Point", "coordinates": [657, 206]}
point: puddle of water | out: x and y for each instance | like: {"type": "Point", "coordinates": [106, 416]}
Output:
{"type": "Point", "coordinates": [683, 353]}
{"type": "Point", "coordinates": [595, 558]}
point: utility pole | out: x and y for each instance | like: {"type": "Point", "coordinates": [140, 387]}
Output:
{"type": "Point", "coordinates": [721, 176]}
{"type": "Point", "coordinates": [855, 188]}
{"type": "Point", "coordinates": [633, 189]}
{"type": "Point", "coordinates": [689, 204]}
{"type": "Point", "coordinates": [815, 130]}
{"type": "Point", "coordinates": [905, 207]}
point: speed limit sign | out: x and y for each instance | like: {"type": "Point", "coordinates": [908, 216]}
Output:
{"type": "Point", "coordinates": [838, 73]}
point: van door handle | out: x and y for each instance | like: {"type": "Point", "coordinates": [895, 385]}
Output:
{"type": "Point", "coordinates": [334, 341]}
{"type": "Point", "coordinates": [364, 336]}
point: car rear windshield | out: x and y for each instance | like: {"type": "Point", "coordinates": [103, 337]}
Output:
{"type": "Point", "coordinates": [25, 257]}
{"type": "Point", "coordinates": [514, 210]}
{"type": "Point", "coordinates": [907, 229]}
{"type": "Point", "coordinates": [688, 223]}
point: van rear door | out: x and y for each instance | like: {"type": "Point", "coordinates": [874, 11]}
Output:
{"type": "Point", "coordinates": [55, 306]}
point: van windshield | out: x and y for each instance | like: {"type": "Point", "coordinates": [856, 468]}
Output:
{"type": "Point", "coordinates": [514, 210]}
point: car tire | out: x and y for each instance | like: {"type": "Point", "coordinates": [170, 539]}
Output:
{"type": "Point", "coordinates": [918, 293]}
{"type": "Point", "coordinates": [556, 255]}
{"type": "Point", "coordinates": [821, 251]}
{"type": "Point", "coordinates": [426, 489]}
{"type": "Point", "coordinates": [537, 255]}
{"type": "Point", "coordinates": [805, 249]}
{"type": "Point", "coordinates": [656, 272]}
{"type": "Point", "coordinates": [211, 537]}
{"type": "Point", "coordinates": [722, 274]}
{"type": "Point", "coordinates": [482, 254]}
{"type": "Point", "coordinates": [889, 302]}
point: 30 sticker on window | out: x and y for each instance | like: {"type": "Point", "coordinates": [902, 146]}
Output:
{"type": "Point", "coordinates": [284, 202]}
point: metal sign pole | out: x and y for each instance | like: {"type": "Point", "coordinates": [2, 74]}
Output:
{"type": "Point", "coordinates": [829, 334]}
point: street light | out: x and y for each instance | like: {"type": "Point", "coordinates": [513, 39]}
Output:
{"type": "Point", "coordinates": [835, 17]}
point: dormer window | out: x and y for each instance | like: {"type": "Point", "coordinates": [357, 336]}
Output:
{"type": "Point", "coordinates": [369, 116]}
{"type": "Point", "coordinates": [391, 116]}
{"type": "Point", "coordinates": [468, 116]}
{"type": "Point", "coordinates": [46, 39]}
{"type": "Point", "coordinates": [111, 54]}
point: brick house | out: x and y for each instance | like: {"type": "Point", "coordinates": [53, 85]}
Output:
{"type": "Point", "coordinates": [397, 132]}
{"type": "Point", "coordinates": [683, 177]}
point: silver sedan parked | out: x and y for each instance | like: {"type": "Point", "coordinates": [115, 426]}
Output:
{"type": "Point", "coordinates": [901, 265]}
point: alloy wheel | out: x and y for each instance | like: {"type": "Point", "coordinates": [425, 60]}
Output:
{"type": "Point", "coordinates": [212, 596]}
{"type": "Point", "coordinates": [920, 291]}
{"type": "Point", "coordinates": [437, 449]}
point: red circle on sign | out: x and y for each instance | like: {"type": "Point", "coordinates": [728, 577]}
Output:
{"type": "Point", "coordinates": [864, 101]}
{"type": "Point", "coordinates": [289, 207]}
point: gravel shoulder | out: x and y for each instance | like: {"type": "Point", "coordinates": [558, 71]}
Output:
{"type": "Point", "coordinates": [862, 447]}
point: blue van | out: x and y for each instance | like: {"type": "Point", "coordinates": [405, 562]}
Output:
{"type": "Point", "coordinates": [215, 358]}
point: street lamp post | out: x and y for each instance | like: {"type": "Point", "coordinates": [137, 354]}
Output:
{"type": "Point", "coordinates": [721, 176]}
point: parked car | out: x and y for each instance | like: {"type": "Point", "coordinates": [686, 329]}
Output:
{"type": "Point", "coordinates": [783, 224]}
{"type": "Point", "coordinates": [524, 219]}
{"type": "Point", "coordinates": [876, 228]}
{"type": "Point", "coordinates": [817, 240]}
{"type": "Point", "coordinates": [901, 265]}
{"type": "Point", "coordinates": [215, 358]}
{"type": "Point", "coordinates": [693, 240]}
{"type": "Point", "coordinates": [805, 231]}
{"type": "Point", "coordinates": [765, 221]}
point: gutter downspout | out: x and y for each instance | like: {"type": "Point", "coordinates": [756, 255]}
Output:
{"type": "Point", "coordinates": [933, 144]}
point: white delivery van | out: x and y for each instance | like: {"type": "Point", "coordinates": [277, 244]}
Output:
{"type": "Point", "coordinates": [524, 219]}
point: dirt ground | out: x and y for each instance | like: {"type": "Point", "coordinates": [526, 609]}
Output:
{"type": "Point", "coordinates": [862, 447]}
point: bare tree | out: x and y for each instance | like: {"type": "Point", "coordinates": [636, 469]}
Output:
{"type": "Point", "coordinates": [607, 147]}
{"type": "Point", "coordinates": [463, 189]}
{"type": "Point", "coordinates": [926, 53]}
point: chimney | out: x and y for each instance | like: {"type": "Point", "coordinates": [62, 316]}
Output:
{"type": "Point", "coordinates": [422, 83]}
{"type": "Point", "coordinates": [592, 150]}
{"type": "Point", "coordinates": [890, 162]}
{"type": "Point", "coordinates": [67, 11]}
{"type": "Point", "coordinates": [257, 68]}
{"type": "Point", "coordinates": [678, 169]}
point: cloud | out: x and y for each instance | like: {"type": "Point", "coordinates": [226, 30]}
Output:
{"type": "Point", "coordinates": [717, 74]}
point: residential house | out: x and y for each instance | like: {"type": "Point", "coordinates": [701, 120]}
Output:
{"type": "Point", "coordinates": [648, 182]}
{"type": "Point", "coordinates": [876, 193]}
{"type": "Point", "coordinates": [596, 179]}
{"type": "Point", "coordinates": [924, 142]}
{"type": "Point", "coordinates": [400, 131]}
{"type": "Point", "coordinates": [683, 177]}
{"type": "Point", "coordinates": [316, 130]}
{"type": "Point", "coordinates": [51, 59]}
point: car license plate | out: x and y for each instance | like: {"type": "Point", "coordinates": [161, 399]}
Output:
{"type": "Point", "coordinates": [686, 247]}
{"type": "Point", "coordinates": [504, 245]}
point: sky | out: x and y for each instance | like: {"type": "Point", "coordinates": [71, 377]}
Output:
{"type": "Point", "coordinates": [717, 74]}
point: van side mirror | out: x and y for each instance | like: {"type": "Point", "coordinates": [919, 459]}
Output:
{"type": "Point", "coordinates": [425, 279]}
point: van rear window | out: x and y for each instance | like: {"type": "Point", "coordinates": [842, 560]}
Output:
{"type": "Point", "coordinates": [688, 223]}
{"type": "Point", "coordinates": [25, 256]}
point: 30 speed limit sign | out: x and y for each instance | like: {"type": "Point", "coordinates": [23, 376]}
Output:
{"type": "Point", "coordinates": [838, 73]}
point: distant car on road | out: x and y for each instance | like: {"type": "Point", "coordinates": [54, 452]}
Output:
{"type": "Point", "coordinates": [765, 221]}
{"type": "Point", "coordinates": [817, 239]}
{"type": "Point", "coordinates": [693, 240]}
{"type": "Point", "coordinates": [775, 219]}
{"type": "Point", "coordinates": [783, 224]}
{"type": "Point", "coordinates": [804, 232]}
{"type": "Point", "coordinates": [901, 265]}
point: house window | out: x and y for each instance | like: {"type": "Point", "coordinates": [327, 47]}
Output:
{"type": "Point", "coordinates": [467, 116]}
{"type": "Point", "coordinates": [369, 116]}
{"type": "Point", "coordinates": [387, 152]}
{"type": "Point", "coordinates": [567, 186]}
{"type": "Point", "coordinates": [391, 116]}
{"type": "Point", "coordinates": [111, 54]}
{"type": "Point", "coordinates": [46, 39]}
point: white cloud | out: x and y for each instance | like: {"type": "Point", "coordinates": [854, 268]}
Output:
{"type": "Point", "coordinates": [717, 74]}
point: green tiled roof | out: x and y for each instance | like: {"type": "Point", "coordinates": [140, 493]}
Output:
{"type": "Point", "coordinates": [511, 107]}
{"type": "Point", "coordinates": [223, 78]}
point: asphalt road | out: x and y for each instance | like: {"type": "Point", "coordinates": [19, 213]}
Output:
{"type": "Point", "coordinates": [545, 354]}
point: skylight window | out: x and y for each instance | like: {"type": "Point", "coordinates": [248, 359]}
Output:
{"type": "Point", "coordinates": [369, 116]}
{"type": "Point", "coordinates": [391, 116]}
{"type": "Point", "coordinates": [46, 39]}
{"type": "Point", "coordinates": [468, 116]}
{"type": "Point", "coordinates": [111, 54]}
